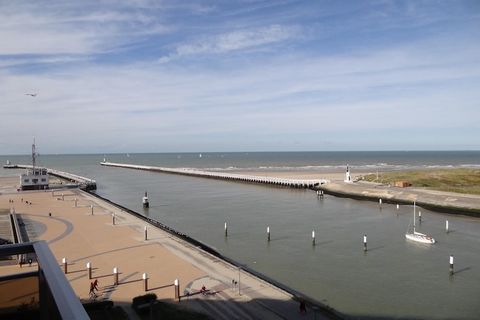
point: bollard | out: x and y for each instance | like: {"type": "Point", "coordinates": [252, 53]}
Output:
{"type": "Point", "coordinates": [89, 269]}
{"type": "Point", "coordinates": [380, 203]}
{"type": "Point", "coordinates": [420, 216]}
{"type": "Point", "coordinates": [145, 233]}
{"type": "Point", "coordinates": [446, 226]}
{"type": "Point", "coordinates": [398, 206]}
{"type": "Point", "coordinates": [451, 265]}
{"type": "Point", "coordinates": [226, 230]}
{"type": "Point", "coordinates": [76, 202]}
{"type": "Point", "coordinates": [113, 218]}
{"type": "Point", "coordinates": [177, 289]}
{"type": "Point", "coordinates": [115, 276]}
{"type": "Point", "coordinates": [91, 207]}
{"type": "Point", "coordinates": [63, 197]}
{"type": "Point", "coordinates": [313, 237]}
{"type": "Point", "coordinates": [268, 233]}
{"type": "Point", "coordinates": [365, 243]}
{"type": "Point", "coordinates": [64, 261]}
{"type": "Point", "coordinates": [145, 282]}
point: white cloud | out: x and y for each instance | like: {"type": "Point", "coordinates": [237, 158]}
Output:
{"type": "Point", "coordinates": [303, 91]}
{"type": "Point", "coordinates": [283, 97]}
{"type": "Point", "coordinates": [235, 40]}
{"type": "Point", "coordinates": [40, 29]}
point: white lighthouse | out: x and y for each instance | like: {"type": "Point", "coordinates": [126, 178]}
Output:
{"type": "Point", "coordinates": [348, 177]}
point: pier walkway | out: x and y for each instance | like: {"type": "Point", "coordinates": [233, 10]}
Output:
{"type": "Point", "coordinates": [83, 182]}
{"type": "Point", "coordinates": [292, 183]}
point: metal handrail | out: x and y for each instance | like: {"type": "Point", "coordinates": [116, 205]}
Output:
{"type": "Point", "coordinates": [52, 282]}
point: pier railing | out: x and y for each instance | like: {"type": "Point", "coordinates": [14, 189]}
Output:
{"type": "Point", "coordinates": [292, 183]}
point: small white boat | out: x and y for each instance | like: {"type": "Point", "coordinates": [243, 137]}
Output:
{"type": "Point", "coordinates": [417, 236]}
{"type": "Point", "coordinates": [420, 237]}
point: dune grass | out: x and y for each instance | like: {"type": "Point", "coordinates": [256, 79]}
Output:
{"type": "Point", "coordinates": [452, 180]}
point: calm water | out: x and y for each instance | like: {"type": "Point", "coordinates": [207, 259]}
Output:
{"type": "Point", "coordinates": [395, 279]}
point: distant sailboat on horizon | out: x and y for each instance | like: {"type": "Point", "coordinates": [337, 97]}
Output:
{"type": "Point", "coordinates": [417, 236]}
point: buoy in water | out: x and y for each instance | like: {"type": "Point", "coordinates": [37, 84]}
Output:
{"type": "Point", "coordinates": [145, 200]}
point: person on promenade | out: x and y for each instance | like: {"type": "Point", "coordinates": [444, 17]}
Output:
{"type": "Point", "coordinates": [95, 284]}
{"type": "Point", "coordinates": [92, 290]}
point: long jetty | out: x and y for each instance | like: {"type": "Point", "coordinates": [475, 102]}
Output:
{"type": "Point", "coordinates": [82, 182]}
{"type": "Point", "coordinates": [292, 183]}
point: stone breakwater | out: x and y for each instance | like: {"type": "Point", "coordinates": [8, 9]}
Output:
{"type": "Point", "coordinates": [449, 202]}
{"type": "Point", "coordinates": [284, 182]}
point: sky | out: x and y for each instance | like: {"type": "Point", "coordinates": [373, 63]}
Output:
{"type": "Point", "coordinates": [239, 75]}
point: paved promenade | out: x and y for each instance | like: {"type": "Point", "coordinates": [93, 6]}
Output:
{"type": "Point", "coordinates": [74, 233]}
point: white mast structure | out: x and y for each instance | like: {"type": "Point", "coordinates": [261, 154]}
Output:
{"type": "Point", "coordinates": [35, 178]}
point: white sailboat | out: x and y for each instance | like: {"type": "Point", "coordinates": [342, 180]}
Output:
{"type": "Point", "coordinates": [417, 236]}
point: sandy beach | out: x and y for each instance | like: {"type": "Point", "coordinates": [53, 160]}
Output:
{"type": "Point", "coordinates": [80, 237]}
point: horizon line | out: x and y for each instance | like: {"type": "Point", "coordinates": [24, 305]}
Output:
{"type": "Point", "coordinates": [210, 152]}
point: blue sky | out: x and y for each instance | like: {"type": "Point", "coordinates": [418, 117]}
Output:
{"type": "Point", "coordinates": [173, 76]}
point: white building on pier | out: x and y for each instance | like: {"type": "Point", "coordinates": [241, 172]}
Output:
{"type": "Point", "coordinates": [36, 178]}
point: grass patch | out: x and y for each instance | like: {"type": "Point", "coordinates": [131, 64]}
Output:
{"type": "Point", "coordinates": [451, 180]}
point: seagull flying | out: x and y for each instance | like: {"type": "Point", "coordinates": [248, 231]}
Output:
{"type": "Point", "coordinates": [31, 94]}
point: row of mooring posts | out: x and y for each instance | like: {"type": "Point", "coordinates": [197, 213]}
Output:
{"type": "Point", "coordinates": [115, 273]}
{"type": "Point", "coordinates": [365, 242]}
{"type": "Point", "coordinates": [269, 235]}
{"type": "Point", "coordinates": [447, 229]}
{"type": "Point", "coordinates": [313, 235]}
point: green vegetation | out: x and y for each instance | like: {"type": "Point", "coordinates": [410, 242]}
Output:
{"type": "Point", "coordinates": [452, 180]}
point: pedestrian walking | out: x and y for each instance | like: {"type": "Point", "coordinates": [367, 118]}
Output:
{"type": "Point", "coordinates": [91, 293]}
{"type": "Point", "coordinates": [95, 284]}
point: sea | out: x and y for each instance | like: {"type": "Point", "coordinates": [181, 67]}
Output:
{"type": "Point", "coordinates": [394, 279]}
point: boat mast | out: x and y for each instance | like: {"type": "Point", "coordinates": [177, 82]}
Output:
{"type": "Point", "coordinates": [413, 216]}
